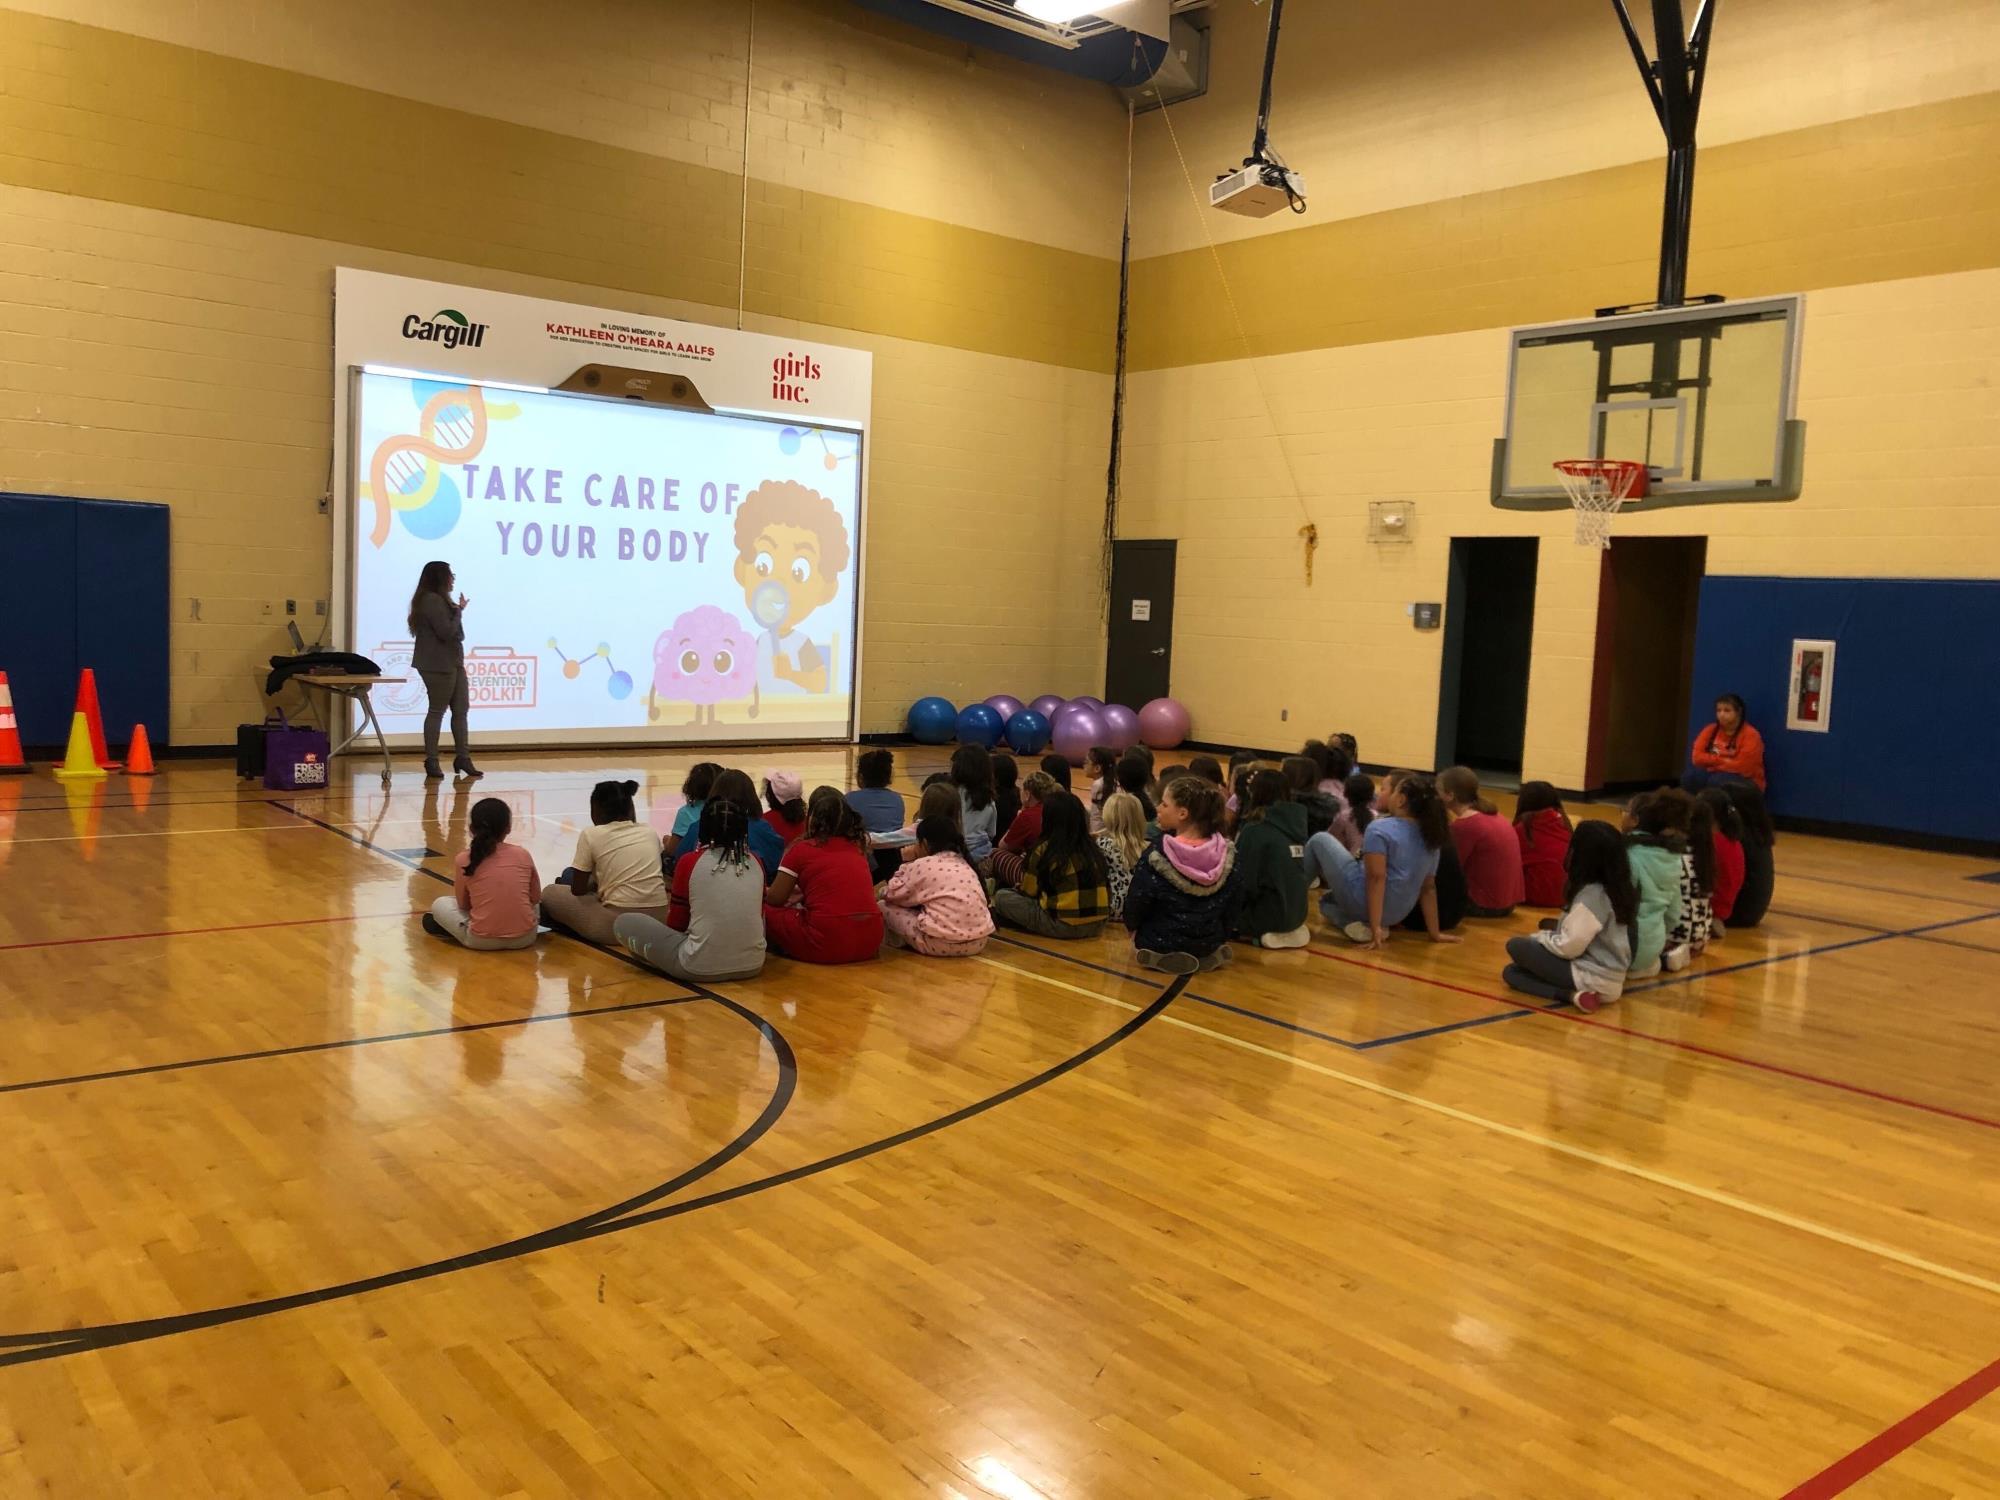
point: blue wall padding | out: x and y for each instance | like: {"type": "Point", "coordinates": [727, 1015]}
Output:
{"type": "Point", "coordinates": [1915, 712]}
{"type": "Point", "coordinates": [83, 583]}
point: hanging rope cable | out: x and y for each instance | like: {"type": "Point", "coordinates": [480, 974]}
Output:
{"type": "Point", "coordinates": [743, 226]}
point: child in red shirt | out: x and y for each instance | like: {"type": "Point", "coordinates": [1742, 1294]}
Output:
{"type": "Point", "coordinates": [1488, 850]}
{"type": "Point", "coordinates": [1542, 828]}
{"type": "Point", "coordinates": [820, 909]}
{"type": "Point", "coordinates": [783, 795]}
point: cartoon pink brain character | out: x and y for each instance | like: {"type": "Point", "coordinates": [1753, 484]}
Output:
{"type": "Point", "coordinates": [707, 656]}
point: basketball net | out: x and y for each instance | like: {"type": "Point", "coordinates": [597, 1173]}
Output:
{"type": "Point", "coordinates": [1597, 487]}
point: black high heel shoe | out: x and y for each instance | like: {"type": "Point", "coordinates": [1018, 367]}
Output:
{"type": "Point", "coordinates": [466, 769]}
{"type": "Point", "coordinates": [433, 771]}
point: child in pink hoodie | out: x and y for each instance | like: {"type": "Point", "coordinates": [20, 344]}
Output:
{"type": "Point", "coordinates": [936, 903]}
{"type": "Point", "coordinates": [1184, 892]}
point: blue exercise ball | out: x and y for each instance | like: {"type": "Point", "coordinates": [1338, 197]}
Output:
{"type": "Point", "coordinates": [980, 724]}
{"type": "Point", "coordinates": [1027, 733]}
{"type": "Point", "coordinates": [932, 720]}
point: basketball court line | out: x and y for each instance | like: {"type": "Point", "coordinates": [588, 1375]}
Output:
{"type": "Point", "coordinates": [133, 937]}
{"type": "Point", "coordinates": [1886, 890]}
{"type": "Point", "coordinates": [1850, 1469]}
{"type": "Point", "coordinates": [1716, 1196]}
{"type": "Point", "coordinates": [302, 1049]}
{"type": "Point", "coordinates": [1881, 936]}
{"type": "Point", "coordinates": [1598, 1022]}
{"type": "Point", "coordinates": [1876, 927]}
{"type": "Point", "coordinates": [148, 833]}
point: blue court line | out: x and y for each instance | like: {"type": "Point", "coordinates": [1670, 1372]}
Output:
{"type": "Point", "coordinates": [1258, 1015]}
{"type": "Point", "coordinates": [1785, 958]}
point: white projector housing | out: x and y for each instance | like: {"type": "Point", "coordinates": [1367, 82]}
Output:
{"type": "Point", "coordinates": [1256, 191]}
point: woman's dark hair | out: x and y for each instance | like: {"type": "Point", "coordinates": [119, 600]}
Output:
{"type": "Point", "coordinates": [1301, 772]}
{"type": "Point", "coordinates": [1066, 843]}
{"type": "Point", "coordinates": [972, 774]}
{"type": "Point", "coordinates": [1535, 797]}
{"type": "Point", "coordinates": [1701, 845]}
{"type": "Point", "coordinates": [1198, 797]}
{"type": "Point", "coordinates": [1735, 701]}
{"type": "Point", "coordinates": [1597, 857]}
{"type": "Point", "coordinates": [700, 780]}
{"type": "Point", "coordinates": [1461, 784]}
{"type": "Point", "coordinates": [1006, 770]}
{"type": "Point", "coordinates": [490, 820]}
{"type": "Point", "coordinates": [1339, 764]}
{"type": "Point", "coordinates": [1750, 807]}
{"type": "Point", "coordinates": [1426, 809]}
{"type": "Point", "coordinates": [793, 811]}
{"type": "Point", "coordinates": [873, 768]}
{"type": "Point", "coordinates": [828, 817]}
{"type": "Point", "coordinates": [1058, 767]}
{"type": "Point", "coordinates": [613, 799]}
{"type": "Point", "coordinates": [943, 836]}
{"type": "Point", "coordinates": [1359, 790]}
{"type": "Point", "coordinates": [732, 785]}
{"type": "Point", "coordinates": [1264, 789]}
{"type": "Point", "coordinates": [1208, 768]}
{"type": "Point", "coordinates": [1316, 752]}
{"type": "Point", "coordinates": [725, 828]}
{"type": "Point", "coordinates": [433, 580]}
{"type": "Point", "coordinates": [1135, 774]}
{"type": "Point", "coordinates": [1722, 810]}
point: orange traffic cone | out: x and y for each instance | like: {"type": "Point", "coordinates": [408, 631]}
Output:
{"type": "Point", "coordinates": [86, 704]}
{"type": "Point", "coordinates": [79, 764]}
{"type": "Point", "coordinates": [11, 758]}
{"type": "Point", "coordinates": [139, 754]}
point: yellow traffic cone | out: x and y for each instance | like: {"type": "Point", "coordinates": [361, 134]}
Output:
{"type": "Point", "coordinates": [80, 764]}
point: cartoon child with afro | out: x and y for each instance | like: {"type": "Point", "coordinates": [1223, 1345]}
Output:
{"type": "Point", "coordinates": [791, 546]}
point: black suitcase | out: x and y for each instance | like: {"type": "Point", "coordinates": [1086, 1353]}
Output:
{"type": "Point", "coordinates": [250, 749]}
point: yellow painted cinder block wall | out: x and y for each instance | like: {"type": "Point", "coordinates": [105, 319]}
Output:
{"type": "Point", "coordinates": [179, 179]}
{"type": "Point", "coordinates": [1460, 188]}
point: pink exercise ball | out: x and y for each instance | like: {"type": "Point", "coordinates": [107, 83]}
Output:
{"type": "Point", "coordinates": [1121, 727]}
{"type": "Point", "coordinates": [1163, 724]}
{"type": "Point", "coordinates": [1046, 706]}
{"type": "Point", "coordinates": [1075, 732]}
{"type": "Point", "coordinates": [1005, 706]}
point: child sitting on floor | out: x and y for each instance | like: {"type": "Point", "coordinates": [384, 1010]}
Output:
{"type": "Point", "coordinates": [616, 869]}
{"type": "Point", "coordinates": [700, 782]}
{"type": "Point", "coordinates": [1357, 811]}
{"type": "Point", "coordinates": [1025, 832]}
{"type": "Point", "coordinates": [1760, 836]}
{"type": "Point", "coordinates": [880, 809]}
{"type": "Point", "coordinates": [716, 928]}
{"type": "Point", "coordinates": [820, 909]}
{"type": "Point", "coordinates": [1395, 879]}
{"type": "Point", "coordinates": [785, 804]}
{"type": "Point", "coordinates": [1135, 775]}
{"type": "Point", "coordinates": [1100, 770]}
{"type": "Point", "coordinates": [1583, 958]}
{"type": "Point", "coordinates": [1270, 855]}
{"type": "Point", "coordinates": [1655, 839]}
{"type": "Point", "coordinates": [1057, 768]}
{"type": "Point", "coordinates": [1301, 773]}
{"type": "Point", "coordinates": [1123, 840]}
{"type": "Point", "coordinates": [1006, 790]}
{"type": "Point", "coordinates": [1542, 829]}
{"type": "Point", "coordinates": [972, 774]}
{"type": "Point", "coordinates": [1728, 840]}
{"type": "Point", "coordinates": [493, 896]}
{"type": "Point", "coordinates": [936, 904]}
{"type": "Point", "coordinates": [1488, 851]}
{"type": "Point", "coordinates": [1687, 938]}
{"type": "Point", "coordinates": [1184, 893]}
{"type": "Point", "coordinates": [1065, 891]}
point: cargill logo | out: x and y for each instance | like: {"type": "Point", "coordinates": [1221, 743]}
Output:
{"type": "Point", "coordinates": [448, 326]}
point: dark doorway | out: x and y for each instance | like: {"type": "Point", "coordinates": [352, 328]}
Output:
{"type": "Point", "coordinates": [1139, 646]}
{"type": "Point", "coordinates": [1647, 595]}
{"type": "Point", "coordinates": [1489, 626]}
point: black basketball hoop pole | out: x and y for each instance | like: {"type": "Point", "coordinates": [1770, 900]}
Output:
{"type": "Point", "coordinates": [1673, 82]}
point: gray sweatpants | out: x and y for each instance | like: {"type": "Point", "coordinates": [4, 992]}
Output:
{"type": "Point", "coordinates": [458, 926]}
{"type": "Point", "coordinates": [1026, 913]}
{"type": "Point", "coordinates": [658, 946]}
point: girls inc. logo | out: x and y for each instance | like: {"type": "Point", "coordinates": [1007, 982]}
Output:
{"type": "Point", "coordinates": [790, 374]}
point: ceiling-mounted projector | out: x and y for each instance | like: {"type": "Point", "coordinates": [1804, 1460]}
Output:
{"type": "Point", "coordinates": [1257, 190]}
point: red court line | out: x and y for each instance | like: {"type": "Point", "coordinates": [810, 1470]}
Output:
{"type": "Point", "coordinates": [1844, 1473]}
{"type": "Point", "coordinates": [132, 937]}
{"type": "Point", "coordinates": [1738, 1058]}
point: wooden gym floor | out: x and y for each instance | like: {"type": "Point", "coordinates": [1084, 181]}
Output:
{"type": "Point", "coordinates": [302, 1202]}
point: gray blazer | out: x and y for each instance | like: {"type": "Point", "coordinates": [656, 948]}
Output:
{"type": "Point", "coordinates": [440, 635]}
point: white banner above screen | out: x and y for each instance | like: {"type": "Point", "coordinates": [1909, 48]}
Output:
{"type": "Point", "coordinates": [636, 572]}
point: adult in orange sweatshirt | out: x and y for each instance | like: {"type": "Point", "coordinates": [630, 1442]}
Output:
{"type": "Point", "coordinates": [1727, 750]}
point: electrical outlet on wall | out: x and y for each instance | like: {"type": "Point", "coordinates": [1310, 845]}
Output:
{"type": "Point", "coordinates": [319, 606]}
{"type": "Point", "coordinates": [325, 504]}
{"type": "Point", "coordinates": [291, 606]}
{"type": "Point", "coordinates": [266, 610]}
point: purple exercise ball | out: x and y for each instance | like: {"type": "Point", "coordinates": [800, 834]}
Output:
{"type": "Point", "coordinates": [1163, 724]}
{"type": "Point", "coordinates": [1005, 706]}
{"type": "Point", "coordinates": [1095, 705]}
{"type": "Point", "coordinates": [1121, 727]}
{"type": "Point", "coordinates": [1046, 705]}
{"type": "Point", "coordinates": [1075, 732]}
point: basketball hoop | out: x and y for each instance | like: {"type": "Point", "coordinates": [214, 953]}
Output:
{"type": "Point", "coordinates": [1597, 487]}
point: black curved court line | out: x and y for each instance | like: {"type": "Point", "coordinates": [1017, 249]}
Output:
{"type": "Point", "coordinates": [59, 1343]}
{"type": "Point", "coordinates": [51, 1343]}
{"type": "Point", "coordinates": [353, 1041]}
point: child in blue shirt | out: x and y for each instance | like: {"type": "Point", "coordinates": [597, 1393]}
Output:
{"type": "Point", "coordinates": [1397, 871]}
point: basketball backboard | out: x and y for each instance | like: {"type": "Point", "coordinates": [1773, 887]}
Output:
{"type": "Point", "coordinates": [1705, 396]}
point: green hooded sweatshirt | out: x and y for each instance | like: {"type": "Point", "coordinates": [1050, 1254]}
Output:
{"type": "Point", "coordinates": [1269, 862]}
{"type": "Point", "coordinates": [1656, 871]}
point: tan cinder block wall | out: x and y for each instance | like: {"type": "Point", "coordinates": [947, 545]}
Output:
{"type": "Point", "coordinates": [1851, 152]}
{"type": "Point", "coordinates": [178, 181]}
